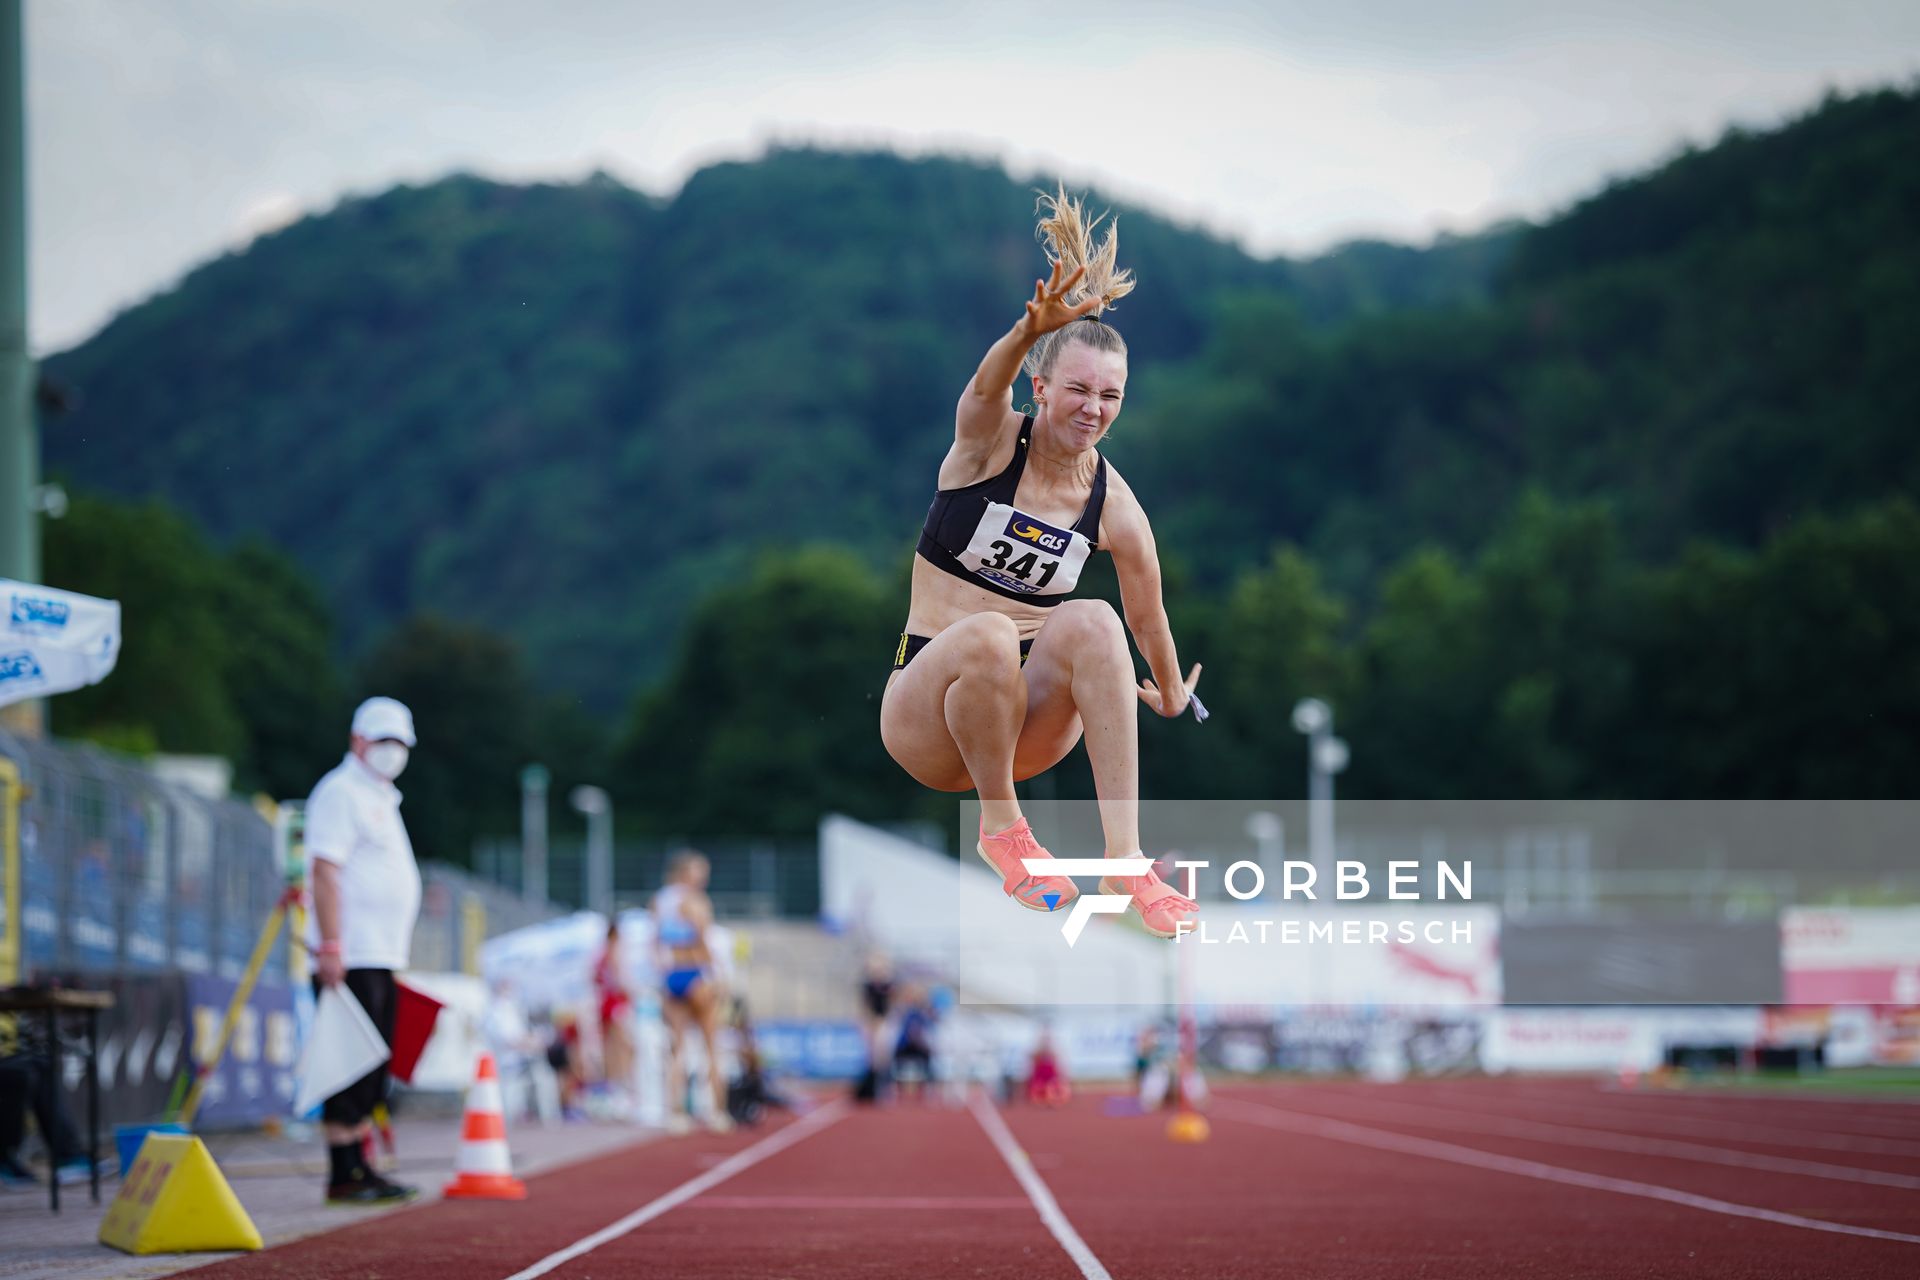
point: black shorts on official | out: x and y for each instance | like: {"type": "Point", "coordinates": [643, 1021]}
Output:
{"type": "Point", "coordinates": [378, 995]}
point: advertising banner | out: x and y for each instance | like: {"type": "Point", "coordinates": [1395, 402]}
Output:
{"type": "Point", "coordinates": [1680, 960]}
{"type": "Point", "coordinates": [1589, 1039]}
{"type": "Point", "coordinates": [52, 641]}
{"type": "Point", "coordinates": [1851, 955]}
{"type": "Point", "coordinates": [813, 1048]}
{"type": "Point", "coordinates": [255, 1079]}
{"type": "Point", "coordinates": [143, 1046]}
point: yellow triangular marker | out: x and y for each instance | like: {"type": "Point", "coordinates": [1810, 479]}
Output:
{"type": "Point", "coordinates": [174, 1200]}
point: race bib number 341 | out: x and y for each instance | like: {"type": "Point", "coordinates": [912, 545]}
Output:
{"type": "Point", "coordinates": [1021, 554]}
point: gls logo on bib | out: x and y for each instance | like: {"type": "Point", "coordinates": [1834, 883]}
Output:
{"type": "Point", "coordinates": [1044, 536]}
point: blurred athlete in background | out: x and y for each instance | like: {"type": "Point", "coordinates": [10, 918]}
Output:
{"type": "Point", "coordinates": [691, 996]}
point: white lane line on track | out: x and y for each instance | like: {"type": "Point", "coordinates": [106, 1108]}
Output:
{"type": "Point", "coordinates": [746, 1158]}
{"type": "Point", "coordinates": [1741, 1093]}
{"type": "Point", "coordinates": [1859, 1116]}
{"type": "Point", "coordinates": [1036, 1189]}
{"type": "Point", "coordinates": [1612, 1117]}
{"type": "Point", "coordinates": [1868, 1122]}
{"type": "Point", "coordinates": [1433, 1117]}
{"type": "Point", "coordinates": [1875, 1111]}
{"type": "Point", "coordinates": [1387, 1140]}
{"type": "Point", "coordinates": [863, 1204]}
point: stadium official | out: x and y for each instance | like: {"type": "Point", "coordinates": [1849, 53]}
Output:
{"type": "Point", "coordinates": [366, 895]}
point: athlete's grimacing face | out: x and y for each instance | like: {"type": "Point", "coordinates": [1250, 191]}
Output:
{"type": "Point", "coordinates": [1082, 396]}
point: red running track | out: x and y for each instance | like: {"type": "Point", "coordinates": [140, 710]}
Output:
{"type": "Point", "coordinates": [1476, 1178]}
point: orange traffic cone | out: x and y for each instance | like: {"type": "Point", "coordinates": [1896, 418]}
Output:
{"type": "Point", "coordinates": [481, 1170]}
{"type": "Point", "coordinates": [1188, 1125]}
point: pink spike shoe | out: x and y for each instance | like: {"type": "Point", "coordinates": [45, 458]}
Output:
{"type": "Point", "coordinates": [1004, 853]}
{"type": "Point", "coordinates": [1161, 907]}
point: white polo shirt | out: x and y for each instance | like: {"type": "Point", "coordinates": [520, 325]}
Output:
{"type": "Point", "coordinates": [353, 821]}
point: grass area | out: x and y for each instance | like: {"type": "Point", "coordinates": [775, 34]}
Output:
{"type": "Point", "coordinates": [1868, 1081]}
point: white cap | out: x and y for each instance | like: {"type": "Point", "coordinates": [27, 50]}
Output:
{"type": "Point", "coordinates": [379, 718]}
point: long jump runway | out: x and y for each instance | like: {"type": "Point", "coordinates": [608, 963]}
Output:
{"type": "Point", "coordinates": [1470, 1178]}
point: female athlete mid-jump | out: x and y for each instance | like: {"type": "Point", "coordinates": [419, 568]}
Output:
{"type": "Point", "coordinates": [998, 673]}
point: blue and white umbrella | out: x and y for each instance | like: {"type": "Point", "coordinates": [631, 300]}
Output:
{"type": "Point", "coordinates": [54, 640]}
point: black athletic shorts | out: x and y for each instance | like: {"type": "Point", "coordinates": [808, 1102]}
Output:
{"type": "Point", "coordinates": [375, 990]}
{"type": "Point", "coordinates": [910, 647]}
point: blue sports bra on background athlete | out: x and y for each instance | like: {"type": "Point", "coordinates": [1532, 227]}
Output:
{"type": "Point", "coordinates": [976, 533]}
{"type": "Point", "coordinates": [670, 927]}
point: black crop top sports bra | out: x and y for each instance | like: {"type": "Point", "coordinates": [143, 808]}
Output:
{"type": "Point", "coordinates": [976, 533]}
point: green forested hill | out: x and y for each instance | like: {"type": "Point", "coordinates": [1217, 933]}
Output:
{"type": "Point", "coordinates": [564, 412]}
{"type": "Point", "coordinates": [1716, 348]}
{"type": "Point", "coordinates": [568, 412]}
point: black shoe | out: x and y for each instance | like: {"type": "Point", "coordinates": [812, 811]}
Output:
{"type": "Point", "coordinates": [397, 1190]}
{"type": "Point", "coordinates": [367, 1187]}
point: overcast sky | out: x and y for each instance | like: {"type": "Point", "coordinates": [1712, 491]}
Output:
{"type": "Point", "coordinates": [162, 132]}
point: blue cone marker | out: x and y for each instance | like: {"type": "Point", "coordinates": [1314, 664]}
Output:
{"type": "Point", "coordinates": [1051, 899]}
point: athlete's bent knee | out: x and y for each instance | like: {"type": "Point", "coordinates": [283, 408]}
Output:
{"type": "Point", "coordinates": [1087, 621]}
{"type": "Point", "coordinates": [987, 642]}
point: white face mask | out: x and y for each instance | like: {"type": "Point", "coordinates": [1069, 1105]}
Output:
{"type": "Point", "coordinates": [388, 759]}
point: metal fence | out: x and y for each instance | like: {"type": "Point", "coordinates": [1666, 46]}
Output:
{"type": "Point", "coordinates": [752, 879]}
{"type": "Point", "coordinates": [459, 911]}
{"type": "Point", "coordinates": [111, 869]}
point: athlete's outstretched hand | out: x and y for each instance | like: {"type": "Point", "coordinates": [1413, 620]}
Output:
{"type": "Point", "coordinates": [1049, 309]}
{"type": "Point", "coordinates": [1160, 702]}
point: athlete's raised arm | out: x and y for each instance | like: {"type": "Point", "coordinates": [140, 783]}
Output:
{"type": "Point", "coordinates": [980, 420]}
{"type": "Point", "coordinates": [1125, 531]}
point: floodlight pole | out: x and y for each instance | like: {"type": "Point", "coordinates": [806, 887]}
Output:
{"type": "Point", "coordinates": [19, 445]}
{"type": "Point", "coordinates": [1269, 834]}
{"type": "Point", "coordinates": [1326, 756]}
{"type": "Point", "coordinates": [533, 833]}
{"type": "Point", "coordinates": [19, 439]}
{"type": "Point", "coordinates": [598, 809]}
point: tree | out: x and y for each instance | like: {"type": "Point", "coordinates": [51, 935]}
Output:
{"type": "Point", "coordinates": [1787, 673]}
{"type": "Point", "coordinates": [169, 684]}
{"type": "Point", "coordinates": [477, 717]}
{"type": "Point", "coordinates": [769, 716]}
{"type": "Point", "coordinates": [1499, 680]}
{"type": "Point", "coordinates": [280, 673]}
{"type": "Point", "coordinates": [1275, 641]}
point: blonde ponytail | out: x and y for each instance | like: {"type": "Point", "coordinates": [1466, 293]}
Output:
{"type": "Point", "coordinates": [1068, 236]}
{"type": "Point", "coordinates": [1069, 239]}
